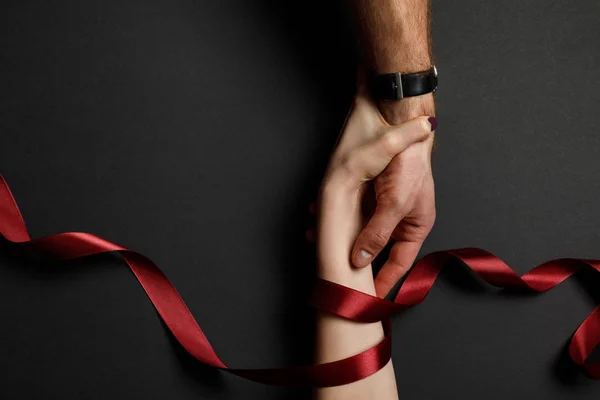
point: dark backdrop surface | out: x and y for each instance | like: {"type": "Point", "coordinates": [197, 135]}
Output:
{"type": "Point", "coordinates": [196, 133]}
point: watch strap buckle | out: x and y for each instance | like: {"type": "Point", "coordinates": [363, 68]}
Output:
{"type": "Point", "coordinates": [398, 86]}
{"type": "Point", "coordinates": [398, 91]}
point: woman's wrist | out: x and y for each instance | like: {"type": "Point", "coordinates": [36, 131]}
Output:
{"type": "Point", "coordinates": [338, 184]}
{"type": "Point", "coordinates": [339, 224]}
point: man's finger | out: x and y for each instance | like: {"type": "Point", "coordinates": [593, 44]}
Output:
{"type": "Point", "coordinates": [375, 236]}
{"type": "Point", "coordinates": [402, 257]}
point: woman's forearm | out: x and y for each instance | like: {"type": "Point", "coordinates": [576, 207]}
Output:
{"type": "Point", "coordinates": [337, 337]}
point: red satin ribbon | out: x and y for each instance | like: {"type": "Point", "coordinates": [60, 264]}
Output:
{"type": "Point", "coordinates": [328, 296]}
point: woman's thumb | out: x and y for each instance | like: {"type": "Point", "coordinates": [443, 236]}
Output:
{"type": "Point", "coordinates": [375, 156]}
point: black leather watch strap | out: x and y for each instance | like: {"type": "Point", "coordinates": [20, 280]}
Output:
{"type": "Point", "coordinates": [398, 86]}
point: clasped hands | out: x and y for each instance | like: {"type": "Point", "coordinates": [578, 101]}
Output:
{"type": "Point", "coordinates": [378, 188]}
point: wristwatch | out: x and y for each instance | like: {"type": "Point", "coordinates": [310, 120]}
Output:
{"type": "Point", "coordinates": [398, 86]}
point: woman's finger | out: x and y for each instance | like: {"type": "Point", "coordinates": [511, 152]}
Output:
{"type": "Point", "coordinates": [371, 159]}
{"type": "Point", "coordinates": [399, 138]}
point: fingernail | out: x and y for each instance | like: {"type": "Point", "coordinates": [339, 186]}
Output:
{"type": "Point", "coordinates": [363, 258]}
{"type": "Point", "coordinates": [432, 122]}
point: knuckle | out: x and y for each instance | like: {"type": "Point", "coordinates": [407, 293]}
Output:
{"type": "Point", "coordinates": [394, 202]}
{"type": "Point", "coordinates": [376, 239]}
{"type": "Point", "coordinates": [431, 219]}
{"type": "Point", "coordinates": [390, 140]}
{"type": "Point", "coordinates": [428, 220]}
{"type": "Point", "coordinates": [420, 231]}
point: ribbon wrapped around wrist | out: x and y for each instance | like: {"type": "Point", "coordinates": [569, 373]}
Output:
{"type": "Point", "coordinates": [327, 296]}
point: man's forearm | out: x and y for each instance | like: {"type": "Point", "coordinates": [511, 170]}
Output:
{"type": "Point", "coordinates": [395, 36]}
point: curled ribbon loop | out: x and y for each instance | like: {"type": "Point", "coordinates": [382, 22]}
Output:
{"type": "Point", "coordinates": [327, 296]}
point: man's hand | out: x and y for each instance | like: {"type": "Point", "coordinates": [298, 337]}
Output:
{"type": "Point", "coordinates": [405, 201]}
{"type": "Point", "coordinates": [395, 37]}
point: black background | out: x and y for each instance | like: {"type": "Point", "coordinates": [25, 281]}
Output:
{"type": "Point", "coordinates": [196, 133]}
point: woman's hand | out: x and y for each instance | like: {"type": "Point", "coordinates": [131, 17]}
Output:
{"type": "Point", "coordinates": [366, 146]}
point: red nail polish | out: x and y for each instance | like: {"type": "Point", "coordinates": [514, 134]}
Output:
{"type": "Point", "coordinates": [432, 122]}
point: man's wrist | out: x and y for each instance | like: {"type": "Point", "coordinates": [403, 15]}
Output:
{"type": "Point", "coordinates": [396, 112]}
